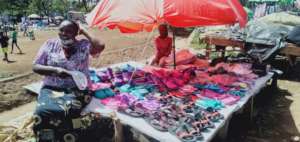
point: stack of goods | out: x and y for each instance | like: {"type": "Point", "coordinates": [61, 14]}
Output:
{"type": "Point", "coordinates": [185, 101]}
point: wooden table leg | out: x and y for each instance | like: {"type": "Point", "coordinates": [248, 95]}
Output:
{"type": "Point", "coordinates": [221, 49]}
{"type": "Point", "coordinates": [291, 61]}
{"type": "Point", "coordinates": [207, 51]}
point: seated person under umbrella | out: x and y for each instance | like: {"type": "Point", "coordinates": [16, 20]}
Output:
{"type": "Point", "coordinates": [163, 46]}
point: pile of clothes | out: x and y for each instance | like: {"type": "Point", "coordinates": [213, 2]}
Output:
{"type": "Point", "coordinates": [185, 101]}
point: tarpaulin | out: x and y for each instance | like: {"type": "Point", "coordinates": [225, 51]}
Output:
{"type": "Point", "coordinates": [138, 15]}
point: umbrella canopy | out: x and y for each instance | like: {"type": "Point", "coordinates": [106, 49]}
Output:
{"type": "Point", "coordinates": [34, 16]}
{"type": "Point", "coordinates": [59, 17]}
{"type": "Point", "coordinates": [139, 15]}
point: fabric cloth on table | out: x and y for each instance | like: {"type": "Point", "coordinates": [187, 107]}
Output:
{"type": "Point", "coordinates": [223, 79]}
{"type": "Point", "coordinates": [121, 100]}
{"type": "Point", "coordinates": [104, 93]}
{"type": "Point", "coordinates": [211, 94]}
{"type": "Point", "coordinates": [209, 103]}
{"type": "Point", "coordinates": [216, 88]}
{"type": "Point", "coordinates": [183, 57]}
{"type": "Point", "coordinates": [200, 63]}
{"type": "Point", "coordinates": [294, 36]}
{"type": "Point", "coordinates": [224, 98]}
{"type": "Point", "coordinates": [99, 86]}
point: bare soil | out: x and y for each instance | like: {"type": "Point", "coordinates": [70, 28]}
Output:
{"type": "Point", "coordinates": [277, 113]}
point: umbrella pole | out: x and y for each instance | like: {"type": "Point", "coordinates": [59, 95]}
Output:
{"type": "Point", "coordinates": [174, 49]}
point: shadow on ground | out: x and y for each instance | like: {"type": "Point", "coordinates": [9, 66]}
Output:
{"type": "Point", "coordinates": [291, 73]}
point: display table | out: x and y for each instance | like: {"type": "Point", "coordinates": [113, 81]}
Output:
{"type": "Point", "coordinates": [143, 127]}
{"type": "Point", "coordinates": [290, 51]}
{"type": "Point", "coordinates": [221, 43]}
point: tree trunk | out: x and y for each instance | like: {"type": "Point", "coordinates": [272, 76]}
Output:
{"type": "Point", "coordinates": [84, 2]}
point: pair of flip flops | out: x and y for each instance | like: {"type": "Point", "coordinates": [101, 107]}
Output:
{"type": "Point", "coordinates": [99, 86]}
{"type": "Point", "coordinates": [138, 91]}
{"type": "Point", "coordinates": [94, 77]}
{"type": "Point", "coordinates": [133, 110]}
{"type": "Point", "coordinates": [161, 120]}
{"type": "Point", "coordinates": [104, 93]}
{"type": "Point", "coordinates": [201, 121]}
{"type": "Point", "coordinates": [197, 117]}
{"type": "Point", "coordinates": [187, 133]}
{"type": "Point", "coordinates": [209, 103]}
{"type": "Point", "coordinates": [241, 93]}
{"type": "Point", "coordinates": [213, 115]}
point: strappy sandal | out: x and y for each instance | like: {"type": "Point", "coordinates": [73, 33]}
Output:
{"type": "Point", "coordinates": [133, 110]}
{"type": "Point", "coordinates": [158, 121]}
{"type": "Point", "coordinates": [195, 132]}
{"type": "Point", "coordinates": [183, 133]}
{"type": "Point", "coordinates": [202, 122]}
{"type": "Point", "coordinates": [213, 115]}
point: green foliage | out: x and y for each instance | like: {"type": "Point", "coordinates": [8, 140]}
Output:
{"type": "Point", "coordinates": [42, 7]}
{"type": "Point", "coordinates": [14, 7]}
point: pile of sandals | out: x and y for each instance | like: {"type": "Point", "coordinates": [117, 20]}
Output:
{"type": "Point", "coordinates": [184, 102]}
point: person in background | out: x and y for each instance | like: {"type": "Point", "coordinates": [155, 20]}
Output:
{"type": "Point", "coordinates": [163, 46]}
{"type": "Point", "coordinates": [14, 37]}
{"type": "Point", "coordinates": [54, 114]}
{"type": "Point", "coordinates": [31, 34]}
{"type": "Point", "coordinates": [25, 28]}
{"type": "Point", "coordinates": [4, 45]}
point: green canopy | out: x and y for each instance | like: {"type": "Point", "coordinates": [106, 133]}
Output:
{"type": "Point", "coordinates": [263, 0]}
{"type": "Point", "coordinates": [286, 2]}
{"type": "Point", "coordinates": [249, 12]}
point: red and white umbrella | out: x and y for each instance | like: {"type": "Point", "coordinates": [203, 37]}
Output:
{"type": "Point", "coordinates": [144, 15]}
{"type": "Point", "coordinates": [131, 16]}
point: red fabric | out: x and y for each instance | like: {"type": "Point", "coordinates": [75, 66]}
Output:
{"type": "Point", "coordinates": [211, 94]}
{"type": "Point", "coordinates": [183, 57]}
{"type": "Point", "coordinates": [201, 77]}
{"type": "Point", "coordinates": [223, 79]}
{"type": "Point", "coordinates": [131, 16]}
{"type": "Point", "coordinates": [200, 63]}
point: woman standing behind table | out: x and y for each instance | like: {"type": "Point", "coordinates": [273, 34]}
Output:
{"type": "Point", "coordinates": [54, 114]}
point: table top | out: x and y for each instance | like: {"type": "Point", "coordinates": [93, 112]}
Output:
{"type": "Point", "coordinates": [142, 126]}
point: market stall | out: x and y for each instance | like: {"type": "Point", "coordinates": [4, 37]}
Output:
{"type": "Point", "coordinates": [143, 126]}
{"type": "Point", "coordinates": [238, 44]}
{"type": "Point", "coordinates": [191, 103]}
{"type": "Point", "coordinates": [157, 104]}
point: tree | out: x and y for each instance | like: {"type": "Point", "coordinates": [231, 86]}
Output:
{"type": "Point", "coordinates": [61, 6]}
{"type": "Point", "coordinates": [15, 7]}
{"type": "Point", "coordinates": [84, 3]}
{"type": "Point", "coordinates": [41, 7]}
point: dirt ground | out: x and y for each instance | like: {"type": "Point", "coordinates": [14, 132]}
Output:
{"type": "Point", "coordinates": [119, 48]}
{"type": "Point", "coordinates": [277, 113]}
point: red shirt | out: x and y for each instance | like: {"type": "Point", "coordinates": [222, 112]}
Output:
{"type": "Point", "coordinates": [163, 46]}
